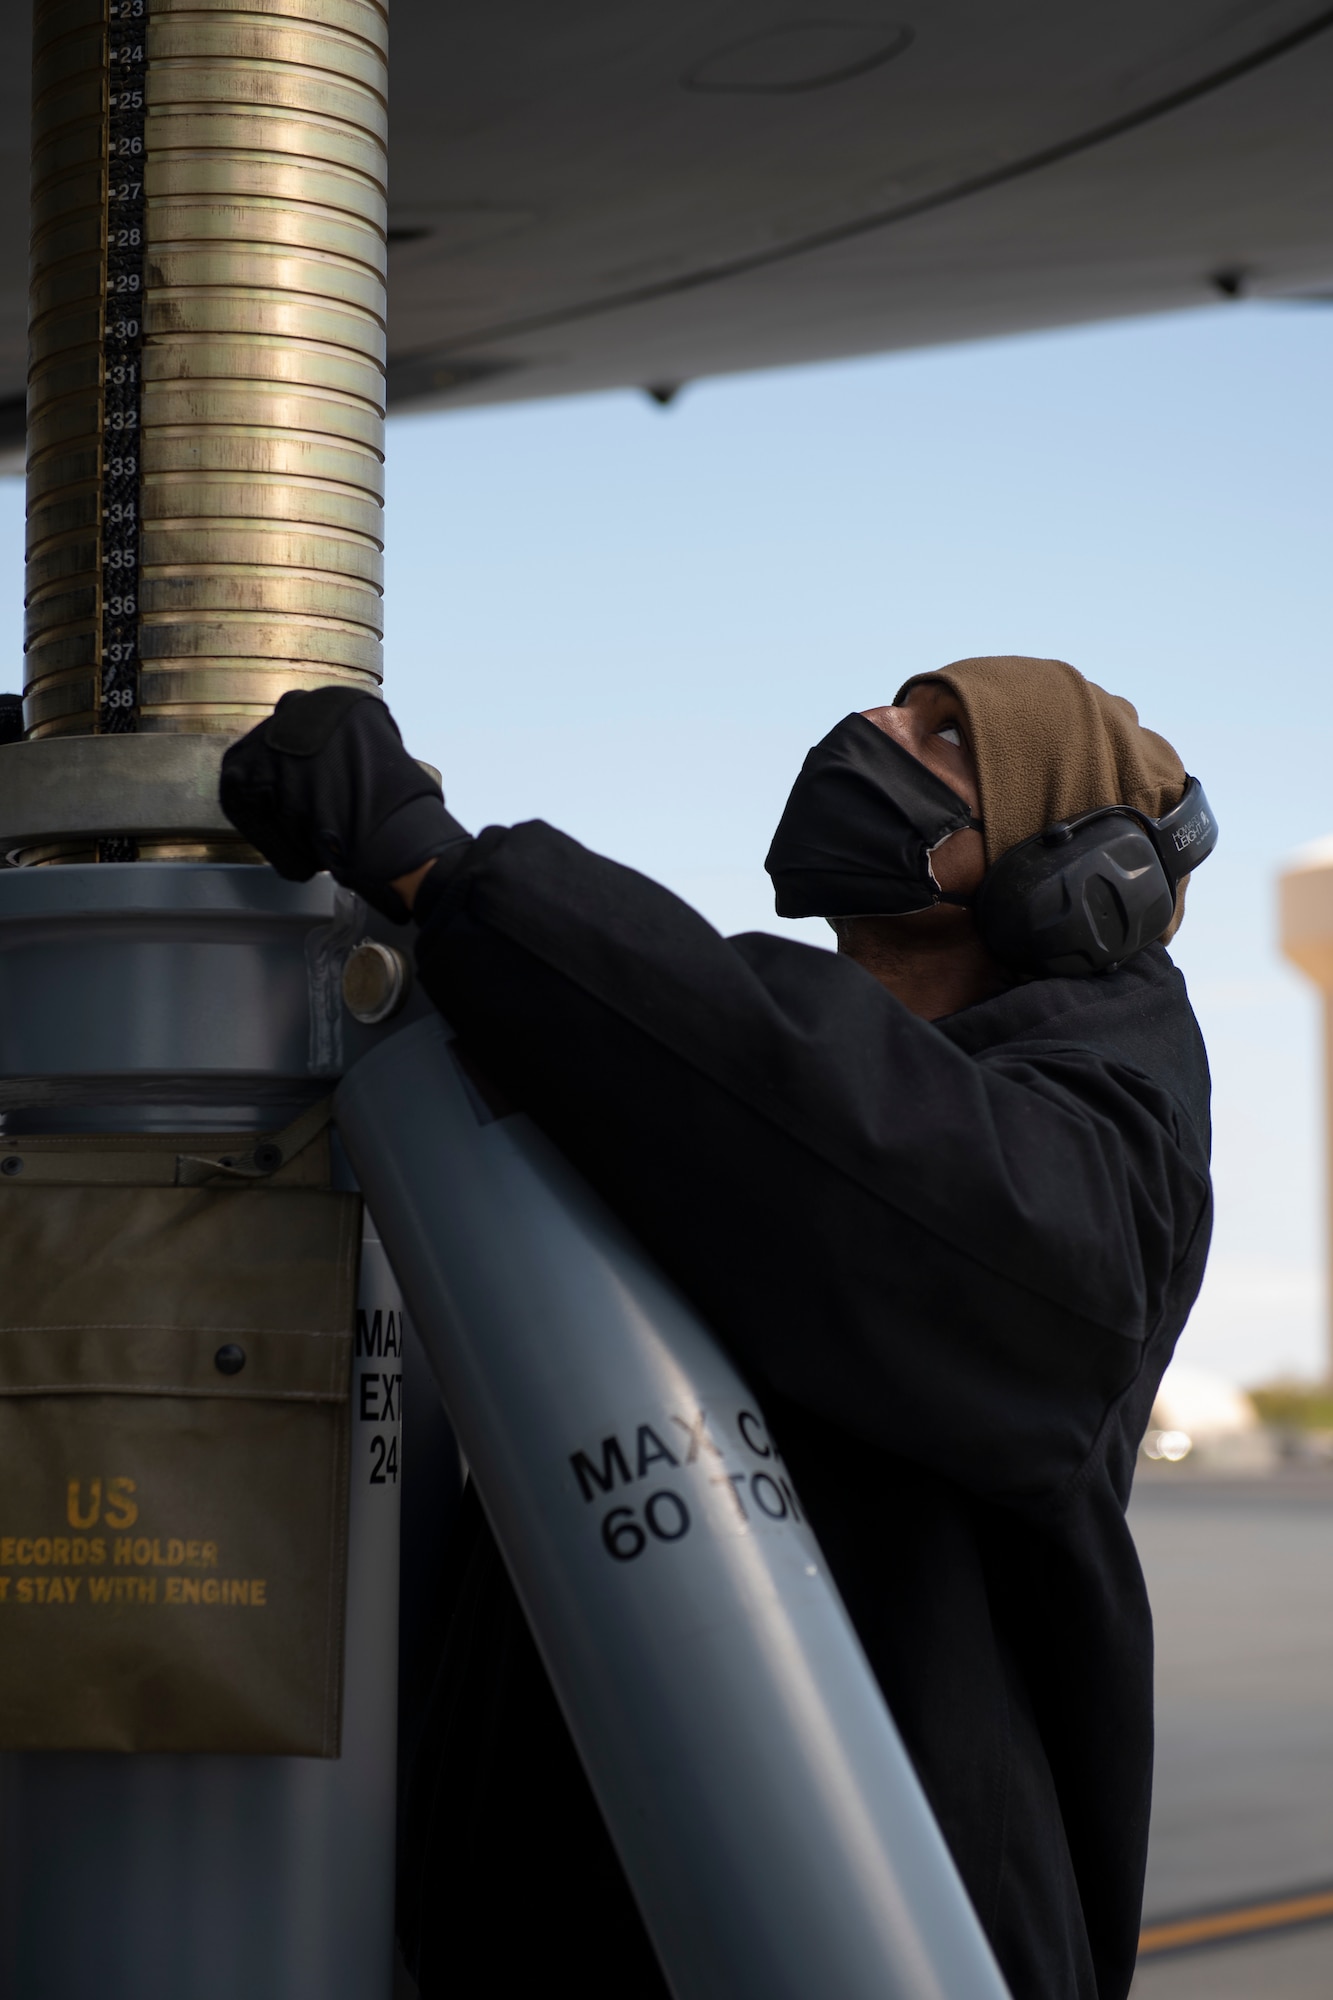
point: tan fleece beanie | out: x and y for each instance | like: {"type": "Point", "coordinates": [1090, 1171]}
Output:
{"type": "Point", "coordinates": [1049, 745]}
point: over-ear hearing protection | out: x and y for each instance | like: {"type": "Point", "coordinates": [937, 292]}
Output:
{"type": "Point", "coordinates": [1085, 894]}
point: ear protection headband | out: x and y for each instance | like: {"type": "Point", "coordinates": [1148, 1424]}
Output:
{"type": "Point", "coordinates": [1087, 893]}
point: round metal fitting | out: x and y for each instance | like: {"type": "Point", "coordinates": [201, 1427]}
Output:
{"type": "Point", "coordinates": [376, 980]}
{"type": "Point", "coordinates": [229, 1359]}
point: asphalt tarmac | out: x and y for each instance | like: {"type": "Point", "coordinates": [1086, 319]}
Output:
{"type": "Point", "coordinates": [1241, 1578]}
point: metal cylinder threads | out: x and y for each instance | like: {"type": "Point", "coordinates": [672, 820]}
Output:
{"type": "Point", "coordinates": [258, 451]}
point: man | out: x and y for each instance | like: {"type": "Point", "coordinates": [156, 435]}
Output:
{"type": "Point", "coordinates": [948, 1216]}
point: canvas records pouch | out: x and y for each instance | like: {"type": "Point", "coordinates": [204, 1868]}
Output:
{"type": "Point", "coordinates": [175, 1357]}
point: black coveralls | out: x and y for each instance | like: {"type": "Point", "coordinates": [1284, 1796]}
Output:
{"type": "Point", "coordinates": [952, 1259]}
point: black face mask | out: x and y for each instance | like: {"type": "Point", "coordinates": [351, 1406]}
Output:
{"type": "Point", "coordinates": [856, 835]}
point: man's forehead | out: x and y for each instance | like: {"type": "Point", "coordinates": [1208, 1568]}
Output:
{"type": "Point", "coordinates": [929, 685]}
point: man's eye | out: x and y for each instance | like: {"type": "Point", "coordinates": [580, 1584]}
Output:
{"type": "Point", "coordinates": [949, 734]}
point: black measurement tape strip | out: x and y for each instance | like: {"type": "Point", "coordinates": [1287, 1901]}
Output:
{"type": "Point", "coordinates": [122, 349]}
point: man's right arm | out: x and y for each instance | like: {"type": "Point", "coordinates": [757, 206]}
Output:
{"type": "Point", "coordinates": [958, 1260]}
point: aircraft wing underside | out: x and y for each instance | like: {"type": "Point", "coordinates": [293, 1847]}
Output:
{"type": "Point", "coordinates": [620, 192]}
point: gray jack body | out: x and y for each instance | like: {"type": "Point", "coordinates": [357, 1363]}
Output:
{"type": "Point", "coordinates": [174, 997]}
{"type": "Point", "coordinates": [772, 1828]}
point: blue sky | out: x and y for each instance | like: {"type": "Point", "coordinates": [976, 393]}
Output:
{"type": "Point", "coordinates": [633, 622]}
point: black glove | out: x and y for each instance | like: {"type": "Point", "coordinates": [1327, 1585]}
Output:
{"type": "Point", "coordinates": [326, 783]}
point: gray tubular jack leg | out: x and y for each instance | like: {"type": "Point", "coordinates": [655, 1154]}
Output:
{"type": "Point", "coordinates": [769, 1821]}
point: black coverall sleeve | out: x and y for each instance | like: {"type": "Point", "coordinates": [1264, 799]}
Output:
{"type": "Point", "coordinates": [956, 1255]}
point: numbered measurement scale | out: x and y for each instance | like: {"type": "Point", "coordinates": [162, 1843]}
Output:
{"type": "Point", "coordinates": [122, 378]}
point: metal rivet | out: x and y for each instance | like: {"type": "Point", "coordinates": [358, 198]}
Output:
{"type": "Point", "coordinates": [11, 1164]}
{"type": "Point", "coordinates": [267, 1157]}
{"type": "Point", "coordinates": [229, 1359]}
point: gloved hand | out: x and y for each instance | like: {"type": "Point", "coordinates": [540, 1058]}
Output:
{"type": "Point", "coordinates": [326, 783]}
